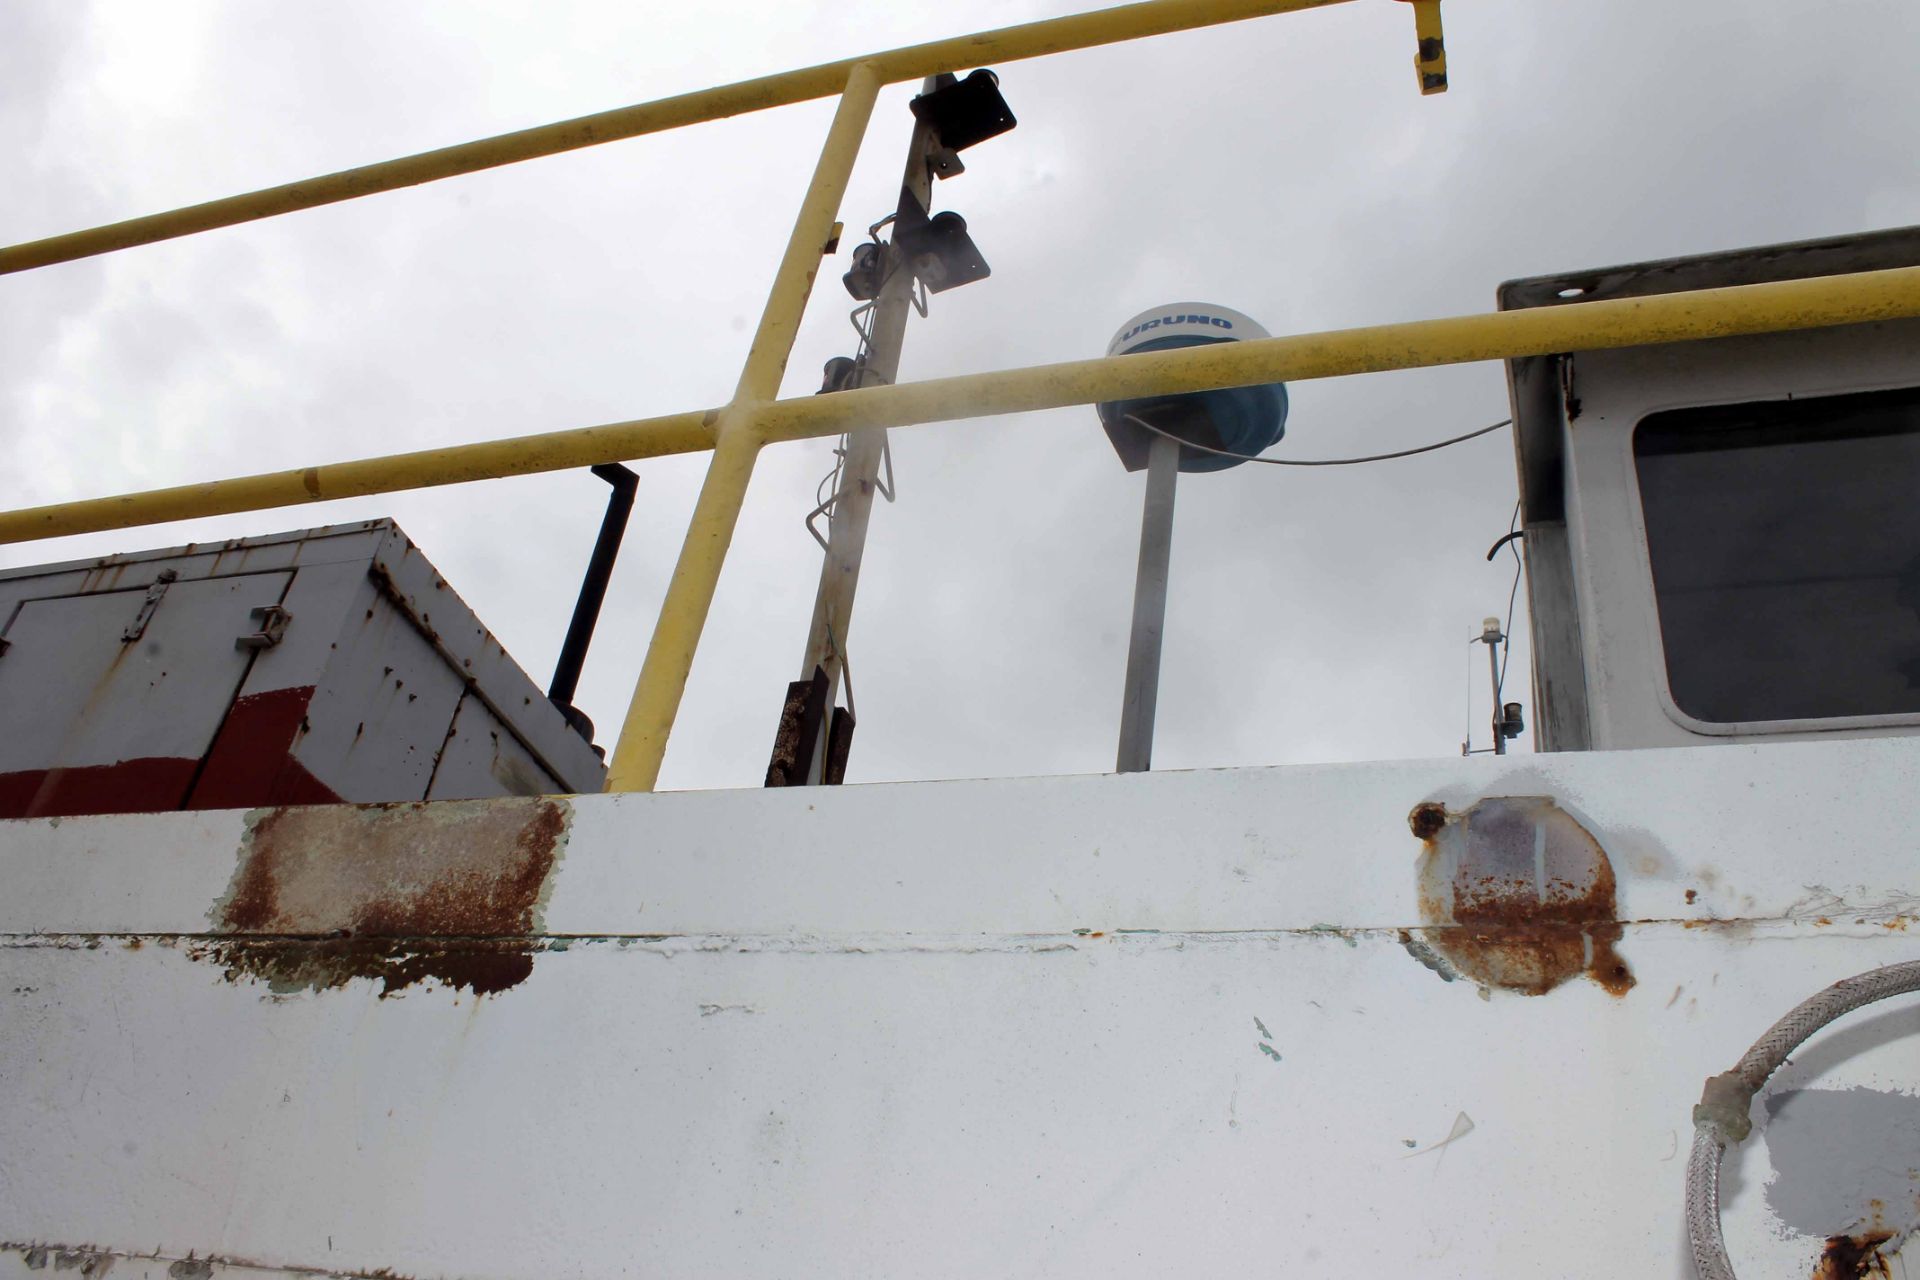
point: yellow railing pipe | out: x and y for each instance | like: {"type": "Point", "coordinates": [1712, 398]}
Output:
{"type": "Point", "coordinates": [635, 765]}
{"type": "Point", "coordinates": [1008, 44]}
{"type": "Point", "coordinates": [1624, 322]}
{"type": "Point", "coordinates": [1502, 335]}
{"type": "Point", "coordinates": [424, 469]}
{"type": "Point", "coordinates": [1619, 322]}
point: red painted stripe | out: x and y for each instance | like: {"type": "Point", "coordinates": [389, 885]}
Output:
{"type": "Point", "coordinates": [251, 761]}
{"type": "Point", "coordinates": [151, 784]}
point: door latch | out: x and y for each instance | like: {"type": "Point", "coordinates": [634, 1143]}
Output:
{"type": "Point", "coordinates": [138, 627]}
{"type": "Point", "coordinates": [273, 619]}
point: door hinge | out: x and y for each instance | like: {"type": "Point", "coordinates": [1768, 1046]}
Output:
{"type": "Point", "coordinates": [273, 619]}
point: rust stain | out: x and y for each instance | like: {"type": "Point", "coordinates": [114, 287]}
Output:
{"type": "Point", "coordinates": [399, 893]}
{"type": "Point", "coordinates": [1516, 894]}
{"type": "Point", "coordinates": [1693, 896]}
{"type": "Point", "coordinates": [1426, 820]}
{"type": "Point", "coordinates": [1851, 1257]}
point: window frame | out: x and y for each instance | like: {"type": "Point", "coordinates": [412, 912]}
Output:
{"type": "Point", "coordinates": [1662, 685]}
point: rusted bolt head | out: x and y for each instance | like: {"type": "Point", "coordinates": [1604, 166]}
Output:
{"type": "Point", "coordinates": [1427, 819]}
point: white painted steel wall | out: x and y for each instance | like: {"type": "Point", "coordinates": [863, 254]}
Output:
{"type": "Point", "coordinates": [1153, 1024]}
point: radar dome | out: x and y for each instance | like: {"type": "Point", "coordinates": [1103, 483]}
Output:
{"type": "Point", "coordinates": [1242, 420]}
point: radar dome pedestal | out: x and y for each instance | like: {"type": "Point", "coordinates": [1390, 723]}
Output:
{"type": "Point", "coordinates": [1241, 420]}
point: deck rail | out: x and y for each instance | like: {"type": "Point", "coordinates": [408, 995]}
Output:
{"type": "Point", "coordinates": [736, 432]}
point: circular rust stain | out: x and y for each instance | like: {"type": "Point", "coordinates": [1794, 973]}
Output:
{"type": "Point", "coordinates": [1516, 894]}
{"type": "Point", "coordinates": [1427, 819]}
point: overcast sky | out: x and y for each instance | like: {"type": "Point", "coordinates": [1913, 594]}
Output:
{"type": "Point", "coordinates": [1286, 166]}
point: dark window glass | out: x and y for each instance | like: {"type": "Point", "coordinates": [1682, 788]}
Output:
{"type": "Point", "coordinates": [1785, 539]}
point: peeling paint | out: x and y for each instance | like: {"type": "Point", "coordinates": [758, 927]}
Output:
{"type": "Point", "coordinates": [91, 1262]}
{"type": "Point", "coordinates": [450, 891]}
{"type": "Point", "coordinates": [1417, 948]}
{"type": "Point", "coordinates": [1334, 930]}
{"type": "Point", "coordinates": [711, 1010]}
{"type": "Point", "coordinates": [1841, 1157]}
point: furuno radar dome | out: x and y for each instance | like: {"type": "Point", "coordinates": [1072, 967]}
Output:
{"type": "Point", "coordinates": [1154, 434]}
{"type": "Point", "coordinates": [1237, 419]}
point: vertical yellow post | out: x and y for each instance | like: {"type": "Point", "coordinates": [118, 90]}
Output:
{"type": "Point", "coordinates": [1431, 60]}
{"type": "Point", "coordinates": [683, 614]}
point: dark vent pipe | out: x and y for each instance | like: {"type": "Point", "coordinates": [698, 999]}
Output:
{"type": "Point", "coordinates": [593, 591]}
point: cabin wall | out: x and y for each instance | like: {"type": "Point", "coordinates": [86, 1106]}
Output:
{"type": "Point", "coordinates": [1627, 698]}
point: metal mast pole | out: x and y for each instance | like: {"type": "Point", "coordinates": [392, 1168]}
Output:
{"type": "Point", "coordinates": [1149, 609]}
{"type": "Point", "coordinates": [860, 470]}
{"type": "Point", "coordinates": [1493, 673]}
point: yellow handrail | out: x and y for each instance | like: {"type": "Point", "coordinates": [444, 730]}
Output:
{"type": "Point", "coordinates": [635, 765]}
{"type": "Point", "coordinates": [1579, 326]}
{"type": "Point", "coordinates": [737, 431]}
{"type": "Point", "coordinates": [914, 62]}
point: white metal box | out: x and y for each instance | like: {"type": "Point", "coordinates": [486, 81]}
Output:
{"type": "Point", "coordinates": [328, 664]}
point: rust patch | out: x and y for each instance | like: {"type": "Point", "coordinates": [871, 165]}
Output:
{"type": "Point", "coordinates": [399, 893]}
{"type": "Point", "coordinates": [1850, 1257]}
{"type": "Point", "coordinates": [1693, 895]}
{"type": "Point", "coordinates": [1426, 820]}
{"type": "Point", "coordinates": [1516, 894]}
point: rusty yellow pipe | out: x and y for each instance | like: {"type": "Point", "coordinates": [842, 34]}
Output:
{"type": "Point", "coordinates": [635, 765]}
{"type": "Point", "coordinates": [1626, 322]}
{"type": "Point", "coordinates": [1008, 44]}
{"type": "Point", "coordinates": [1621, 322]}
{"type": "Point", "coordinates": [517, 456]}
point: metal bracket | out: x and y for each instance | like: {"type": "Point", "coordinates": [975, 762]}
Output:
{"type": "Point", "coordinates": [1431, 60]}
{"type": "Point", "coordinates": [1569, 400]}
{"type": "Point", "coordinates": [886, 460]}
{"type": "Point", "coordinates": [138, 627]}
{"type": "Point", "coordinates": [273, 619]}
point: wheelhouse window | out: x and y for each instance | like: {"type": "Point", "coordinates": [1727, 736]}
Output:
{"type": "Point", "coordinates": [1785, 541]}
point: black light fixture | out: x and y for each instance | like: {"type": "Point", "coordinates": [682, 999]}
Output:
{"type": "Point", "coordinates": [963, 112]}
{"type": "Point", "coordinates": [938, 249]}
{"type": "Point", "coordinates": [838, 374]}
{"type": "Point", "coordinates": [868, 272]}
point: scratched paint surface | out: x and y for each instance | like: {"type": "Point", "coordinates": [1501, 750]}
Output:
{"type": "Point", "coordinates": [998, 1027]}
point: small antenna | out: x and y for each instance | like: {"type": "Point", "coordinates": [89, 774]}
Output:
{"type": "Point", "coordinates": [1508, 721]}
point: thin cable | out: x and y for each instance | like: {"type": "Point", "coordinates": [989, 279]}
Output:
{"type": "Point", "coordinates": [824, 501]}
{"type": "Point", "coordinates": [1321, 462]}
{"type": "Point", "coordinates": [1506, 636]}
